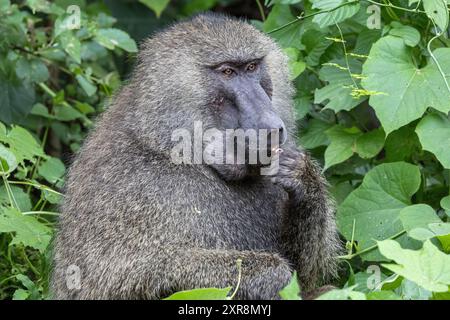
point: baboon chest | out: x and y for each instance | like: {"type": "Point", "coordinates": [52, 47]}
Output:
{"type": "Point", "coordinates": [250, 216]}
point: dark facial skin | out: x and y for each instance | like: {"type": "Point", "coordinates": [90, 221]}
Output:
{"type": "Point", "coordinates": [242, 100]}
{"type": "Point", "coordinates": [244, 91]}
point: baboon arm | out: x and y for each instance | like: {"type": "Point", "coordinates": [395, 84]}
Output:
{"type": "Point", "coordinates": [309, 233]}
{"type": "Point", "coordinates": [161, 272]}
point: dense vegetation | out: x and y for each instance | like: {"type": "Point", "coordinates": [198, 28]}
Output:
{"type": "Point", "coordinates": [373, 103]}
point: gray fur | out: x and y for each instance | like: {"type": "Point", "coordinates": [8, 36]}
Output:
{"type": "Point", "coordinates": [141, 227]}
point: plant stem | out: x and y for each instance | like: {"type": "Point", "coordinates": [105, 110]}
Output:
{"type": "Point", "coordinates": [261, 10]}
{"type": "Point", "coordinates": [351, 256]}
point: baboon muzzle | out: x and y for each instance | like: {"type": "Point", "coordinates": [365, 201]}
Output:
{"type": "Point", "coordinates": [256, 112]}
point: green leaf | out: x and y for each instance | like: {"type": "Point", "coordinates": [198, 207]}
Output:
{"type": "Point", "coordinates": [437, 11]}
{"type": "Point", "coordinates": [34, 70]}
{"type": "Point", "coordinates": [434, 135]}
{"type": "Point", "coordinates": [20, 198]}
{"type": "Point", "coordinates": [16, 100]}
{"type": "Point", "coordinates": [52, 170]}
{"type": "Point", "coordinates": [316, 45]}
{"type": "Point", "coordinates": [67, 113]}
{"type": "Point", "coordinates": [292, 290]}
{"type": "Point", "coordinates": [296, 65]}
{"type": "Point", "coordinates": [336, 16]}
{"type": "Point", "coordinates": [4, 5]}
{"type": "Point", "coordinates": [28, 231]}
{"type": "Point", "coordinates": [401, 92]}
{"type": "Point", "coordinates": [8, 160]}
{"type": "Point", "coordinates": [409, 34]}
{"type": "Point", "coordinates": [418, 216]}
{"type": "Point", "coordinates": [374, 207]}
{"type": "Point", "coordinates": [21, 294]}
{"type": "Point", "coordinates": [411, 291]}
{"type": "Point", "coordinates": [314, 135]}
{"type": "Point", "coordinates": [427, 267]}
{"type": "Point", "coordinates": [343, 294]}
{"type": "Point", "coordinates": [382, 295]}
{"type": "Point", "coordinates": [445, 204]}
{"type": "Point", "coordinates": [111, 38]}
{"type": "Point", "coordinates": [22, 144]}
{"type": "Point", "coordinates": [342, 81]}
{"type": "Point", "coordinates": [87, 86]}
{"type": "Point", "coordinates": [302, 106]}
{"type": "Point", "coordinates": [347, 141]}
{"type": "Point", "coordinates": [402, 144]}
{"type": "Point", "coordinates": [201, 294]}
{"type": "Point", "coordinates": [157, 6]}
{"type": "Point", "coordinates": [289, 36]}
{"type": "Point", "coordinates": [71, 45]}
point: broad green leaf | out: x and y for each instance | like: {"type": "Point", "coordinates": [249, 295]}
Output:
{"type": "Point", "coordinates": [22, 144]}
{"type": "Point", "coordinates": [336, 16]}
{"type": "Point", "coordinates": [382, 295]}
{"type": "Point", "coordinates": [316, 44]}
{"type": "Point", "coordinates": [342, 82]}
{"type": "Point", "coordinates": [289, 36]}
{"type": "Point", "coordinates": [365, 40]}
{"type": "Point", "coordinates": [32, 70]}
{"type": "Point", "coordinates": [445, 204]}
{"type": "Point", "coordinates": [111, 38]}
{"type": "Point", "coordinates": [347, 141]}
{"type": "Point", "coordinates": [412, 291]}
{"type": "Point", "coordinates": [67, 113]}
{"type": "Point", "coordinates": [402, 144]}
{"type": "Point", "coordinates": [32, 288]}
{"type": "Point", "coordinates": [342, 144]}
{"type": "Point", "coordinates": [201, 294]}
{"type": "Point", "coordinates": [16, 100]}
{"type": "Point", "coordinates": [314, 135]}
{"type": "Point", "coordinates": [71, 45]}
{"type": "Point", "coordinates": [157, 6]}
{"type": "Point", "coordinates": [52, 170]}
{"type": "Point", "coordinates": [21, 294]}
{"type": "Point", "coordinates": [27, 229]}
{"type": "Point", "coordinates": [19, 197]}
{"type": "Point", "coordinates": [343, 294]}
{"type": "Point", "coordinates": [4, 5]}
{"type": "Point", "coordinates": [8, 160]}
{"type": "Point", "coordinates": [409, 34]}
{"type": "Point", "coordinates": [374, 207]}
{"type": "Point", "coordinates": [434, 135]}
{"type": "Point", "coordinates": [418, 216]}
{"type": "Point", "coordinates": [296, 65]}
{"type": "Point", "coordinates": [87, 86]}
{"type": "Point", "coordinates": [292, 290]}
{"type": "Point", "coordinates": [428, 267]}
{"type": "Point", "coordinates": [401, 92]}
{"type": "Point", "coordinates": [190, 8]}
{"type": "Point", "coordinates": [437, 11]}
{"type": "Point", "coordinates": [302, 106]}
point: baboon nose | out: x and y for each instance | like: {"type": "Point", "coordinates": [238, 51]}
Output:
{"type": "Point", "coordinates": [277, 133]}
{"type": "Point", "coordinates": [282, 135]}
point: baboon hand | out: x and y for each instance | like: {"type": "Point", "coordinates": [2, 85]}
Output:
{"type": "Point", "coordinates": [288, 167]}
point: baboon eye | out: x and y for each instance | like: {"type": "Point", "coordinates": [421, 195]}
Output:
{"type": "Point", "coordinates": [251, 66]}
{"type": "Point", "coordinates": [228, 71]}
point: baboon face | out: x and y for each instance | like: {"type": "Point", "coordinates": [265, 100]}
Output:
{"type": "Point", "coordinates": [242, 98]}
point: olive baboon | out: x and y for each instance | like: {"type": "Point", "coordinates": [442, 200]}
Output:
{"type": "Point", "coordinates": [136, 225]}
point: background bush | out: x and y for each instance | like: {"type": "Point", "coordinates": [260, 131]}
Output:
{"type": "Point", "coordinates": [372, 104]}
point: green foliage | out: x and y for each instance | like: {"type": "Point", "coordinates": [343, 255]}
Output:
{"type": "Point", "coordinates": [372, 105]}
{"type": "Point", "coordinates": [375, 109]}
{"type": "Point", "coordinates": [57, 67]}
